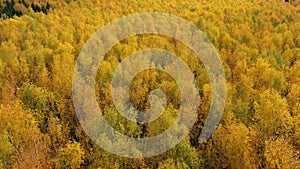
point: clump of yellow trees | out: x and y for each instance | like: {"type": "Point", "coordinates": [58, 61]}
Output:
{"type": "Point", "coordinates": [258, 43]}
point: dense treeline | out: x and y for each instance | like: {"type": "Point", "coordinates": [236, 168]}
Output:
{"type": "Point", "coordinates": [10, 8]}
{"type": "Point", "coordinates": [258, 42]}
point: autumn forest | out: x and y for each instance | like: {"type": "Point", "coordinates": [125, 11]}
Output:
{"type": "Point", "coordinates": [258, 42]}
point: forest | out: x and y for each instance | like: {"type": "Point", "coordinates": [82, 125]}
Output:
{"type": "Point", "coordinates": [258, 42]}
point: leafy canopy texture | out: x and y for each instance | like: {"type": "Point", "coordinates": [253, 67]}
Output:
{"type": "Point", "coordinates": [257, 41]}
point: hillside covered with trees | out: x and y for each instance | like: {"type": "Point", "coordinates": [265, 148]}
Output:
{"type": "Point", "coordinates": [257, 41]}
